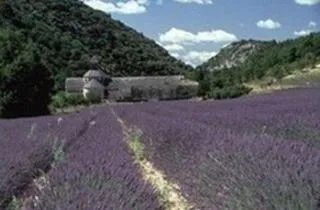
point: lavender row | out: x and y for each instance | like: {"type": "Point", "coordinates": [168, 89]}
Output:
{"type": "Point", "coordinates": [233, 167]}
{"type": "Point", "coordinates": [97, 172]}
{"type": "Point", "coordinates": [298, 109]}
{"type": "Point", "coordinates": [27, 148]}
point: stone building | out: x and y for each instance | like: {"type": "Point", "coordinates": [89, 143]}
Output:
{"type": "Point", "coordinates": [93, 88]}
{"type": "Point", "coordinates": [96, 82]}
{"type": "Point", "coordinates": [151, 88]}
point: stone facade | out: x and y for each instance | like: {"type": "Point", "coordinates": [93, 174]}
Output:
{"type": "Point", "coordinates": [132, 88]}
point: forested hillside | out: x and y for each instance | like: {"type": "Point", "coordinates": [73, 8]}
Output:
{"type": "Point", "coordinates": [274, 60]}
{"type": "Point", "coordinates": [67, 33]}
{"type": "Point", "coordinates": [44, 41]}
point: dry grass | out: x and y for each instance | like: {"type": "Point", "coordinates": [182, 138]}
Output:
{"type": "Point", "coordinates": [302, 78]}
{"type": "Point", "coordinates": [169, 193]}
{"type": "Point", "coordinates": [258, 89]}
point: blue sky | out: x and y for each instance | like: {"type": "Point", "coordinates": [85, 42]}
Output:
{"type": "Point", "coordinates": [195, 30]}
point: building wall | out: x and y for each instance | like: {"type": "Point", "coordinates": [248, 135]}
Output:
{"type": "Point", "coordinates": [74, 84]}
{"type": "Point", "coordinates": [151, 88]}
{"type": "Point", "coordinates": [140, 88]}
{"type": "Point", "coordinates": [97, 92]}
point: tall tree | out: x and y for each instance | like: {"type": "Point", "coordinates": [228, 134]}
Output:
{"type": "Point", "coordinates": [25, 83]}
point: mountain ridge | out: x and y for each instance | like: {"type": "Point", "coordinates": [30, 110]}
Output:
{"type": "Point", "coordinates": [234, 54]}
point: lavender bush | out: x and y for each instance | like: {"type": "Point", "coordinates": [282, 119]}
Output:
{"type": "Point", "coordinates": [77, 161]}
{"type": "Point", "coordinates": [98, 172]}
{"type": "Point", "coordinates": [250, 153]}
{"type": "Point", "coordinates": [259, 152]}
{"type": "Point", "coordinates": [27, 150]}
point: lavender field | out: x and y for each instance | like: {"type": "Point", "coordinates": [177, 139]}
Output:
{"type": "Point", "coordinates": [251, 153]}
{"type": "Point", "coordinates": [260, 152]}
{"type": "Point", "coordinates": [78, 161]}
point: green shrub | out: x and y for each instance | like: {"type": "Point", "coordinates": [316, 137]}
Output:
{"type": "Point", "coordinates": [63, 100]}
{"type": "Point", "coordinates": [59, 100]}
{"type": "Point", "coordinates": [93, 98]}
{"type": "Point", "coordinates": [229, 92]}
{"type": "Point", "coordinates": [15, 204]}
{"type": "Point", "coordinates": [76, 99]}
{"type": "Point", "coordinates": [204, 87]}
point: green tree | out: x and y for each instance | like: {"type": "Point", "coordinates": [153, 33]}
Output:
{"type": "Point", "coordinates": [26, 83]}
{"type": "Point", "coordinates": [273, 59]}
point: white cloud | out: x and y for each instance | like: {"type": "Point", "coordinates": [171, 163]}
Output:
{"type": "Point", "coordinates": [173, 47]}
{"type": "Point", "coordinates": [195, 1]}
{"type": "Point", "coordinates": [191, 64]}
{"type": "Point", "coordinates": [195, 58]}
{"type": "Point", "coordinates": [146, 2]}
{"type": "Point", "coordinates": [175, 35]}
{"type": "Point", "coordinates": [268, 24]}
{"type": "Point", "coordinates": [312, 24]}
{"type": "Point", "coordinates": [175, 54]}
{"type": "Point", "coordinates": [302, 32]}
{"type": "Point", "coordinates": [307, 2]}
{"type": "Point", "coordinates": [128, 7]}
{"type": "Point", "coordinates": [305, 32]}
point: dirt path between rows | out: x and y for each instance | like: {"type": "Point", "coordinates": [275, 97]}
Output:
{"type": "Point", "coordinates": [169, 193]}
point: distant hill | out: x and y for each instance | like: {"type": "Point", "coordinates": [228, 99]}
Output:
{"type": "Point", "coordinates": [234, 54]}
{"type": "Point", "coordinates": [308, 77]}
{"type": "Point", "coordinates": [224, 75]}
{"type": "Point", "coordinates": [67, 33]}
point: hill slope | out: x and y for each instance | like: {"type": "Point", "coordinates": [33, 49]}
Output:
{"type": "Point", "coordinates": [234, 54]}
{"type": "Point", "coordinates": [67, 33]}
{"type": "Point", "coordinates": [272, 60]}
{"type": "Point", "coordinates": [308, 77]}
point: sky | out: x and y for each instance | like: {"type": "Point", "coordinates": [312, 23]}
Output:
{"type": "Point", "coordinates": [195, 30]}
